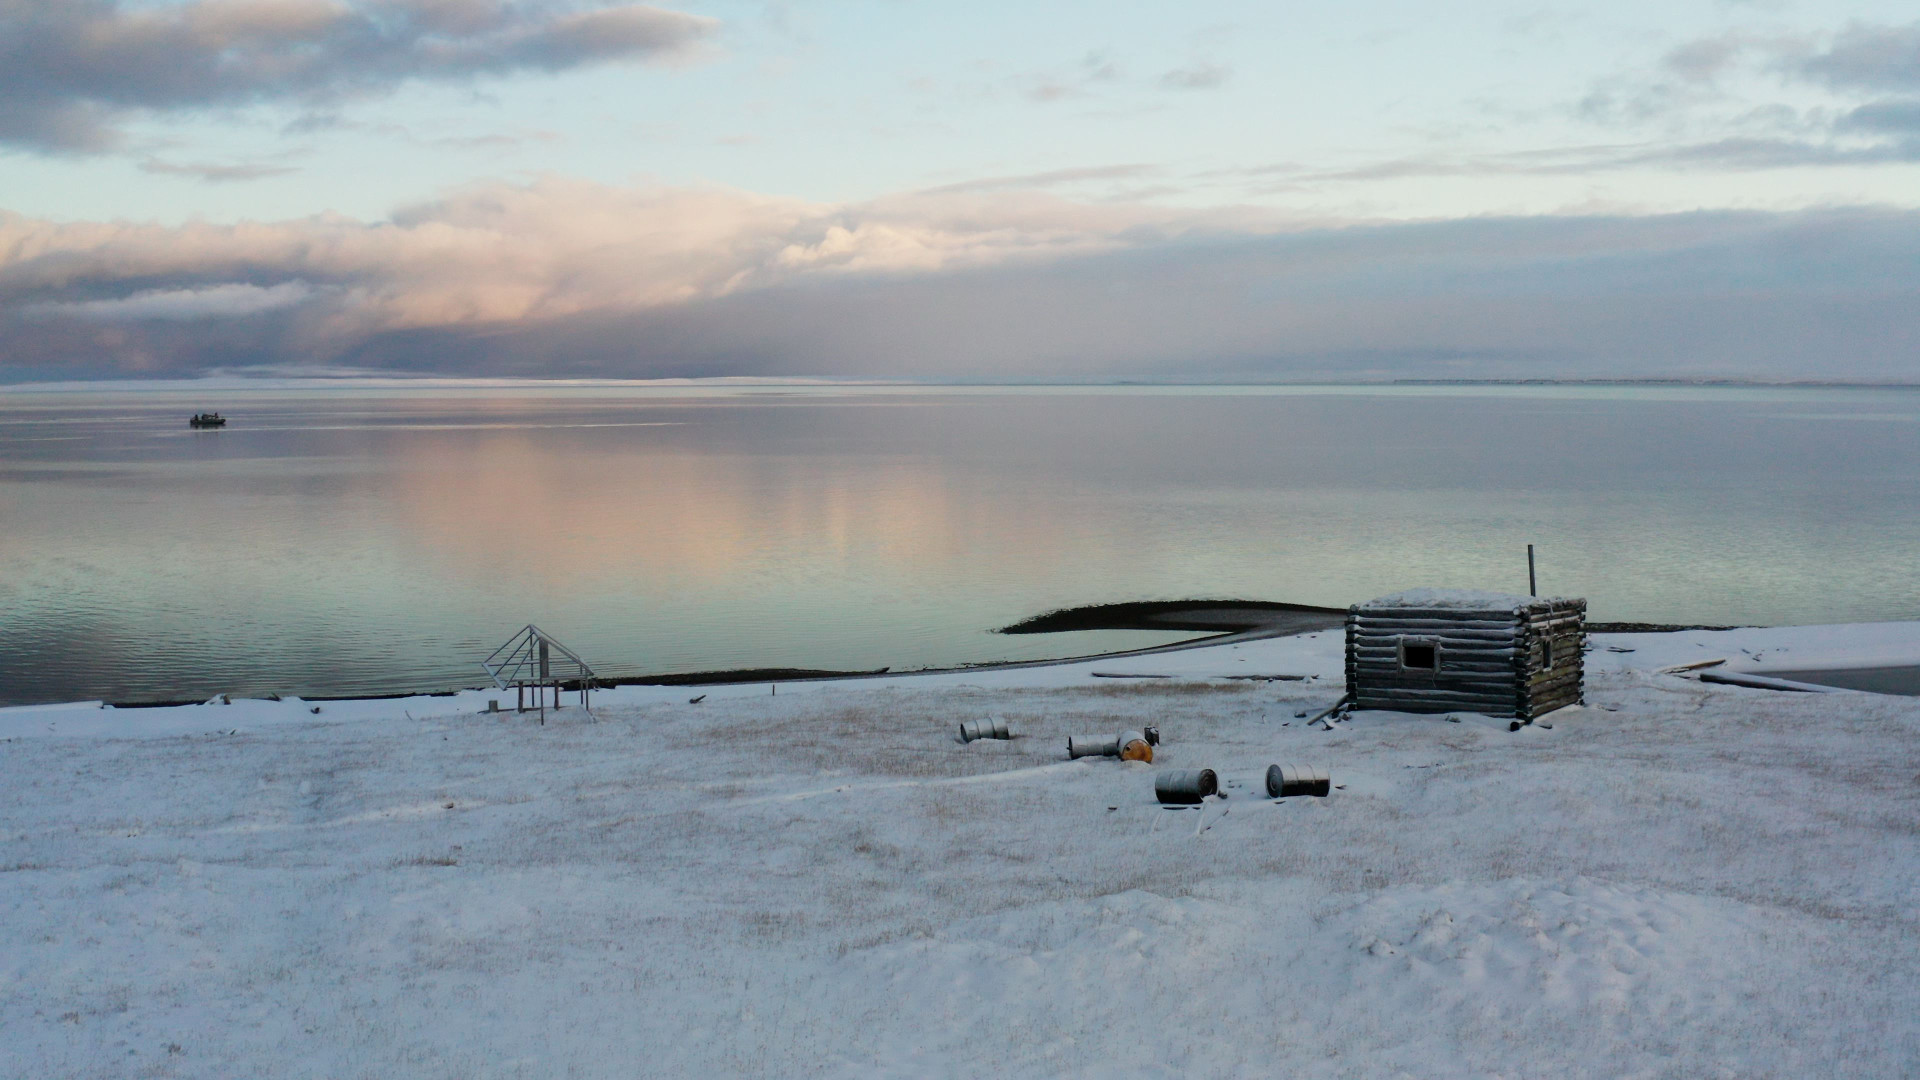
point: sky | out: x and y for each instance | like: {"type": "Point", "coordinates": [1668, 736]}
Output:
{"type": "Point", "coordinates": [1193, 192]}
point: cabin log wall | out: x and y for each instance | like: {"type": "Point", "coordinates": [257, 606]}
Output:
{"type": "Point", "coordinates": [1491, 662]}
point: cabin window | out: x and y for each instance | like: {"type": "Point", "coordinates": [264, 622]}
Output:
{"type": "Point", "coordinates": [1546, 654]}
{"type": "Point", "coordinates": [1419, 656]}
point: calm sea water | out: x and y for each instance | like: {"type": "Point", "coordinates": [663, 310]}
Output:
{"type": "Point", "coordinates": [352, 540]}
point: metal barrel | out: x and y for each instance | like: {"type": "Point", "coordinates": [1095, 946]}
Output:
{"type": "Point", "coordinates": [993, 728]}
{"type": "Point", "coordinates": [1184, 787]}
{"type": "Point", "coordinates": [1135, 747]}
{"type": "Point", "coordinates": [1079, 746]}
{"type": "Point", "coordinates": [1287, 780]}
{"type": "Point", "coordinates": [1152, 735]}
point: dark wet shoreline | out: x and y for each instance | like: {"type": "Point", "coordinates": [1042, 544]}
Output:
{"type": "Point", "coordinates": [1245, 616]}
{"type": "Point", "coordinates": [1199, 616]}
{"type": "Point", "coordinates": [1218, 620]}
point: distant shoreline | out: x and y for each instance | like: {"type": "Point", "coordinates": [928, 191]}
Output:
{"type": "Point", "coordinates": [1217, 621]}
{"type": "Point", "coordinates": [228, 382]}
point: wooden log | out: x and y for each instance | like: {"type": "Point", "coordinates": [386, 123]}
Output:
{"type": "Point", "coordinates": [1440, 633]}
{"type": "Point", "coordinates": [1517, 677]}
{"type": "Point", "coordinates": [1499, 665]}
{"type": "Point", "coordinates": [1445, 678]}
{"type": "Point", "coordinates": [1531, 608]}
{"type": "Point", "coordinates": [1433, 693]}
{"type": "Point", "coordinates": [1483, 681]}
{"type": "Point", "coordinates": [1507, 690]}
{"type": "Point", "coordinates": [1507, 678]}
{"type": "Point", "coordinates": [1492, 707]}
{"type": "Point", "coordinates": [1488, 614]}
{"type": "Point", "coordinates": [1390, 646]}
{"type": "Point", "coordinates": [1481, 638]}
{"type": "Point", "coordinates": [1459, 645]}
{"type": "Point", "coordinates": [1483, 708]}
{"type": "Point", "coordinates": [1491, 659]}
{"type": "Point", "coordinates": [1449, 661]}
{"type": "Point", "coordinates": [1419, 625]}
{"type": "Point", "coordinates": [1326, 714]}
{"type": "Point", "coordinates": [1428, 618]}
{"type": "Point", "coordinates": [1407, 704]}
{"type": "Point", "coordinates": [1507, 693]}
{"type": "Point", "coordinates": [1694, 666]}
{"type": "Point", "coordinates": [1462, 644]}
{"type": "Point", "coordinates": [1555, 701]}
{"type": "Point", "coordinates": [1572, 686]}
{"type": "Point", "coordinates": [1384, 699]}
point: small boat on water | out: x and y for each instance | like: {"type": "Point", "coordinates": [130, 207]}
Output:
{"type": "Point", "coordinates": [207, 419]}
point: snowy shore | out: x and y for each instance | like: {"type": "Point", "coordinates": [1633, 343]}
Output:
{"type": "Point", "coordinates": [1681, 879]}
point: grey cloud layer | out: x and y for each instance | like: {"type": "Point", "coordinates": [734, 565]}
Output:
{"type": "Point", "coordinates": [565, 278]}
{"type": "Point", "coordinates": [1870, 57]}
{"type": "Point", "coordinates": [1865, 62]}
{"type": "Point", "coordinates": [1862, 61]}
{"type": "Point", "coordinates": [69, 70]}
{"type": "Point", "coordinates": [1884, 60]}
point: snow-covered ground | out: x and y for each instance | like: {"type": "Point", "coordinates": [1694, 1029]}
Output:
{"type": "Point", "coordinates": [1681, 879]}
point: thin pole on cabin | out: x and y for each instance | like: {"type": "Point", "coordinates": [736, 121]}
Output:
{"type": "Point", "coordinates": [1533, 589]}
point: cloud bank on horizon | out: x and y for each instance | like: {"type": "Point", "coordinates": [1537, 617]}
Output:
{"type": "Point", "coordinates": [1742, 199]}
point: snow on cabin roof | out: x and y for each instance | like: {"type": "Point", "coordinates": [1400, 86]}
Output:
{"type": "Point", "coordinates": [1453, 600]}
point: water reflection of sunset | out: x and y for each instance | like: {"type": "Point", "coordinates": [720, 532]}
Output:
{"type": "Point", "coordinates": [575, 517]}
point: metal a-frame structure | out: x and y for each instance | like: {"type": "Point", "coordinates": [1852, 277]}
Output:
{"type": "Point", "coordinates": [530, 660]}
